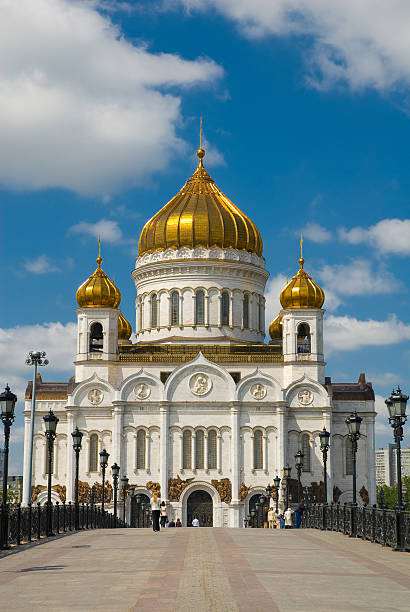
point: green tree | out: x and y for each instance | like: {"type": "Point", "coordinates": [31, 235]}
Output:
{"type": "Point", "coordinates": [390, 494]}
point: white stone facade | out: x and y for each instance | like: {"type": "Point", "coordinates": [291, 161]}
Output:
{"type": "Point", "coordinates": [245, 412]}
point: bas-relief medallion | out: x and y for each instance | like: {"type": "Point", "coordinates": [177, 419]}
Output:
{"type": "Point", "coordinates": [305, 397]}
{"type": "Point", "coordinates": [200, 384]}
{"type": "Point", "coordinates": [142, 391]}
{"type": "Point", "coordinates": [258, 391]}
{"type": "Point", "coordinates": [95, 396]}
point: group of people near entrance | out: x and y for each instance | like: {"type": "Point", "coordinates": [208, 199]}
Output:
{"type": "Point", "coordinates": [286, 520]}
{"type": "Point", "coordinates": [160, 516]}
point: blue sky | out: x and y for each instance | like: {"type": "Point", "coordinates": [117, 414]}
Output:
{"type": "Point", "coordinates": [306, 123]}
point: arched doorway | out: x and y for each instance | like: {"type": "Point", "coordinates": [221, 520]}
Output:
{"type": "Point", "coordinates": [258, 517]}
{"type": "Point", "coordinates": [200, 505]}
{"type": "Point", "coordinates": [140, 511]}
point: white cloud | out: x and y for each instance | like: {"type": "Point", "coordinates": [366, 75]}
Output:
{"type": "Point", "coordinates": [272, 293]}
{"type": "Point", "coordinates": [109, 231]}
{"type": "Point", "coordinates": [346, 333]}
{"type": "Point", "coordinates": [384, 378]}
{"type": "Point", "coordinates": [40, 265]}
{"type": "Point", "coordinates": [382, 425]}
{"type": "Point", "coordinates": [85, 108]}
{"type": "Point", "coordinates": [364, 43]}
{"type": "Point", "coordinates": [387, 236]}
{"type": "Point", "coordinates": [357, 278]}
{"type": "Point", "coordinates": [316, 233]}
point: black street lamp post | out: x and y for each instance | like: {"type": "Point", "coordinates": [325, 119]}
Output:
{"type": "Point", "coordinates": [103, 463]}
{"type": "Point", "coordinates": [396, 405]}
{"type": "Point", "coordinates": [50, 422]}
{"type": "Point", "coordinates": [324, 437]}
{"type": "Point", "coordinates": [7, 401]}
{"type": "Point", "coordinates": [138, 502]}
{"type": "Point", "coordinates": [269, 496]}
{"type": "Point", "coordinates": [353, 427]}
{"type": "Point", "coordinates": [287, 470]}
{"type": "Point", "coordinates": [124, 482]}
{"type": "Point", "coordinates": [115, 473]}
{"type": "Point", "coordinates": [77, 438]}
{"type": "Point", "coordinates": [276, 485]}
{"type": "Point", "coordinates": [253, 513]}
{"type": "Point", "coordinates": [299, 467]}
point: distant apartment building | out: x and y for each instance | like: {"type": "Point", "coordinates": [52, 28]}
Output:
{"type": "Point", "coordinates": [386, 465]}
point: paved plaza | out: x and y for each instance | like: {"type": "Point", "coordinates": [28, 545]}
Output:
{"type": "Point", "coordinates": [206, 569]}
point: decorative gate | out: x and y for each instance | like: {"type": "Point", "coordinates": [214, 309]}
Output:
{"type": "Point", "coordinates": [140, 511]}
{"type": "Point", "coordinates": [200, 506]}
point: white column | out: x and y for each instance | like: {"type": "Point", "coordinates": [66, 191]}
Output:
{"type": "Point", "coordinates": [206, 451]}
{"type": "Point", "coordinates": [87, 455]}
{"type": "Point", "coordinates": [219, 453]}
{"type": "Point", "coordinates": [181, 451]}
{"type": "Point", "coordinates": [230, 321]}
{"type": "Point", "coordinates": [251, 448]}
{"type": "Point", "coordinates": [71, 425]}
{"type": "Point", "coordinates": [26, 490]}
{"type": "Point", "coordinates": [235, 452]}
{"type": "Point", "coordinates": [282, 443]}
{"type": "Point", "coordinates": [265, 453]}
{"type": "Point", "coordinates": [147, 452]}
{"type": "Point", "coordinates": [163, 451]}
{"type": "Point", "coordinates": [206, 309]}
{"type": "Point", "coordinates": [193, 456]}
{"type": "Point", "coordinates": [117, 418]}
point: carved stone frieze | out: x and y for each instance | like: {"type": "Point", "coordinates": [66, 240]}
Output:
{"type": "Point", "coordinates": [176, 486]}
{"type": "Point", "coordinates": [224, 488]}
{"type": "Point", "coordinates": [154, 487]}
{"type": "Point", "coordinates": [243, 491]}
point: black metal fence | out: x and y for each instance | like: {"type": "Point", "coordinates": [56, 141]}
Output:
{"type": "Point", "coordinates": [30, 523]}
{"type": "Point", "coordinates": [386, 527]}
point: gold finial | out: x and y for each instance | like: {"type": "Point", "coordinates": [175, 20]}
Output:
{"type": "Point", "coordinates": [99, 258]}
{"type": "Point", "coordinates": [301, 260]}
{"type": "Point", "coordinates": [200, 152]}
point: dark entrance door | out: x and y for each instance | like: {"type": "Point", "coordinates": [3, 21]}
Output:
{"type": "Point", "coordinates": [140, 511]}
{"type": "Point", "coordinates": [200, 506]}
{"type": "Point", "coordinates": [257, 520]}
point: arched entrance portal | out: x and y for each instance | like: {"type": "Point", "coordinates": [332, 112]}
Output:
{"type": "Point", "coordinates": [140, 511]}
{"type": "Point", "coordinates": [257, 514]}
{"type": "Point", "coordinates": [199, 505]}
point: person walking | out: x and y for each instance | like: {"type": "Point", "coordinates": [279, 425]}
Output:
{"type": "Point", "coordinates": [278, 519]}
{"type": "Point", "coordinates": [271, 519]}
{"type": "Point", "coordinates": [155, 509]}
{"type": "Point", "coordinates": [195, 522]}
{"type": "Point", "coordinates": [163, 514]}
{"type": "Point", "coordinates": [300, 508]}
{"type": "Point", "coordinates": [289, 518]}
{"type": "Point", "coordinates": [178, 523]}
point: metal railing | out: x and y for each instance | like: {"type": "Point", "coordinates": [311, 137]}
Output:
{"type": "Point", "coordinates": [386, 527]}
{"type": "Point", "coordinates": [30, 523]}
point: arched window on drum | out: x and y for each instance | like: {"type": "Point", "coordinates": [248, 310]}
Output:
{"type": "Point", "coordinates": [306, 452]}
{"type": "Point", "coordinates": [93, 453]}
{"type": "Point", "coordinates": [154, 310]}
{"type": "Point", "coordinates": [175, 308]}
{"type": "Point", "coordinates": [303, 338]}
{"type": "Point", "coordinates": [257, 450]}
{"type": "Point", "coordinates": [212, 450]}
{"type": "Point", "coordinates": [187, 450]}
{"type": "Point", "coordinates": [245, 311]}
{"type": "Point", "coordinates": [199, 307]}
{"type": "Point", "coordinates": [225, 308]}
{"type": "Point", "coordinates": [96, 338]}
{"type": "Point", "coordinates": [141, 442]}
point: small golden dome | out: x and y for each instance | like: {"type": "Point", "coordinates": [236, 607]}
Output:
{"type": "Point", "coordinates": [302, 291]}
{"type": "Point", "coordinates": [98, 291]}
{"type": "Point", "coordinates": [200, 215]}
{"type": "Point", "coordinates": [275, 328]}
{"type": "Point", "coordinates": [124, 330]}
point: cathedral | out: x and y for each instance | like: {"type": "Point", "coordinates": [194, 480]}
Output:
{"type": "Point", "coordinates": [198, 408]}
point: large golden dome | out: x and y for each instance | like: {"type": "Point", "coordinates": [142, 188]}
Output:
{"type": "Point", "coordinates": [302, 291]}
{"type": "Point", "coordinates": [98, 291]}
{"type": "Point", "coordinates": [200, 215]}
